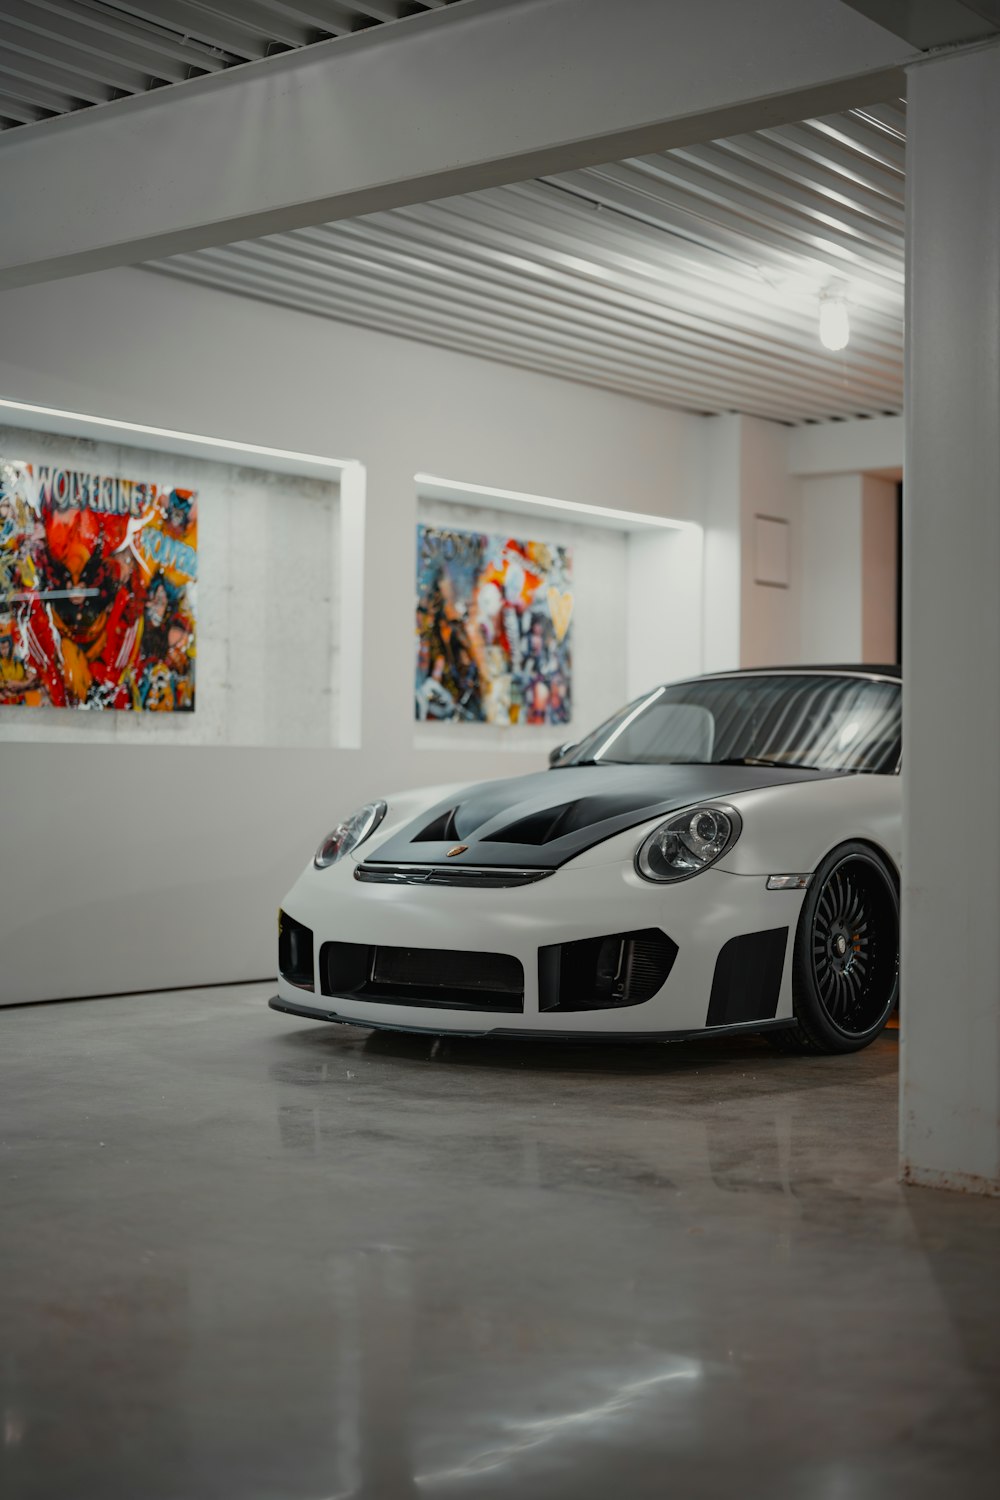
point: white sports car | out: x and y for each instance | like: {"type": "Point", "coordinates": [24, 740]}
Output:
{"type": "Point", "coordinates": [722, 855]}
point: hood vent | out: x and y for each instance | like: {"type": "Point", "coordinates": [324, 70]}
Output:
{"type": "Point", "coordinates": [443, 827]}
{"type": "Point", "coordinates": [552, 823]}
{"type": "Point", "coordinates": [538, 828]}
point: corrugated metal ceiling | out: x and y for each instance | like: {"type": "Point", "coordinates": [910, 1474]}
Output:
{"type": "Point", "coordinates": [690, 278]}
{"type": "Point", "coordinates": [59, 56]}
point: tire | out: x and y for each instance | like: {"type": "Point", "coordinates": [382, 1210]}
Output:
{"type": "Point", "coordinates": [845, 962]}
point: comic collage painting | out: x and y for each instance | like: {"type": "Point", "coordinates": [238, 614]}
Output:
{"type": "Point", "coordinates": [98, 578]}
{"type": "Point", "coordinates": [494, 628]}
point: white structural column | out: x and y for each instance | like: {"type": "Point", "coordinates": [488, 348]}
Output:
{"type": "Point", "coordinates": [951, 900]}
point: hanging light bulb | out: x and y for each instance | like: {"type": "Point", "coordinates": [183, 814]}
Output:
{"type": "Point", "coordinates": [834, 323]}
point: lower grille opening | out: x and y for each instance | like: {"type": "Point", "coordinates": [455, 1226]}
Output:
{"type": "Point", "coordinates": [603, 973]}
{"type": "Point", "coordinates": [295, 952]}
{"type": "Point", "coordinates": [438, 977]}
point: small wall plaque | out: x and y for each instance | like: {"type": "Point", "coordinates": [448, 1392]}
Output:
{"type": "Point", "coordinates": [771, 552]}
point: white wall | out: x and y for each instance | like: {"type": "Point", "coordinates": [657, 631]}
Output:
{"type": "Point", "coordinates": [747, 623]}
{"type": "Point", "coordinates": [190, 897]}
{"type": "Point", "coordinates": [848, 568]}
{"type": "Point", "coordinates": [664, 607]}
{"type": "Point", "coordinates": [869, 446]}
{"type": "Point", "coordinates": [770, 618]}
{"type": "Point", "coordinates": [722, 521]}
{"type": "Point", "coordinates": [831, 564]}
{"type": "Point", "coordinates": [848, 473]}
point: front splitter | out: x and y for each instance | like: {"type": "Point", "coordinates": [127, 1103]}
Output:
{"type": "Point", "coordinates": [314, 1013]}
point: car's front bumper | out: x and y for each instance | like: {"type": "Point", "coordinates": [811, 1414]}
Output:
{"type": "Point", "coordinates": [701, 916]}
{"type": "Point", "coordinates": [541, 1031]}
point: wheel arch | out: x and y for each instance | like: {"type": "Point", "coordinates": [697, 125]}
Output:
{"type": "Point", "coordinates": [868, 843]}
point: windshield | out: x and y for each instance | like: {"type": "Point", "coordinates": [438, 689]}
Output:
{"type": "Point", "coordinates": [804, 719]}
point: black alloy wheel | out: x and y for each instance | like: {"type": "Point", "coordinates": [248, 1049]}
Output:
{"type": "Point", "coordinates": [845, 972]}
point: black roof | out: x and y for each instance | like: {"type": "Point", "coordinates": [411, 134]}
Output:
{"type": "Point", "coordinates": [854, 668]}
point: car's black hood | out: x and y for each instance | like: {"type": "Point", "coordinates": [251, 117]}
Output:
{"type": "Point", "coordinates": [541, 821]}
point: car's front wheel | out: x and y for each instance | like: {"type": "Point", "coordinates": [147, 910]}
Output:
{"type": "Point", "coordinates": [845, 965]}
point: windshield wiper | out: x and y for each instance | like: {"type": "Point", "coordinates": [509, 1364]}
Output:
{"type": "Point", "coordinates": [762, 760]}
{"type": "Point", "coordinates": [730, 760]}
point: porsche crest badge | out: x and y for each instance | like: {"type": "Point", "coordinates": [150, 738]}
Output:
{"type": "Point", "coordinates": [458, 849]}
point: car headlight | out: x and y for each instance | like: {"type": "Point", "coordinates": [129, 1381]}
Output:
{"type": "Point", "coordinates": [688, 843]}
{"type": "Point", "coordinates": [349, 834]}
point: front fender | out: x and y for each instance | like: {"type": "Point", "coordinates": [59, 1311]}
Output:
{"type": "Point", "coordinates": [790, 829]}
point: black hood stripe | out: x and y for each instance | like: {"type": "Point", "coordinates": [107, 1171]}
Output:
{"type": "Point", "coordinates": [543, 820]}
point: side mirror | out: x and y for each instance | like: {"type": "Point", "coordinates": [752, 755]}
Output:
{"type": "Point", "coordinates": [560, 750]}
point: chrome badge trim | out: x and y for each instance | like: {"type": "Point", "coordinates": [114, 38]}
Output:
{"type": "Point", "coordinates": [477, 876]}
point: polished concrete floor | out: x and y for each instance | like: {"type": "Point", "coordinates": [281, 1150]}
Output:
{"type": "Point", "coordinates": [244, 1257]}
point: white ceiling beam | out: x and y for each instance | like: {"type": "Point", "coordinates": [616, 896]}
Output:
{"type": "Point", "coordinates": [474, 94]}
{"type": "Point", "coordinates": [933, 23]}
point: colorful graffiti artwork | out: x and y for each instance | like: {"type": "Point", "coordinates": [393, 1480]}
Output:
{"type": "Point", "coordinates": [97, 590]}
{"type": "Point", "coordinates": [494, 618]}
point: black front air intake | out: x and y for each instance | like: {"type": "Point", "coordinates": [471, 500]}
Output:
{"type": "Point", "coordinates": [439, 977]}
{"type": "Point", "coordinates": [295, 952]}
{"type": "Point", "coordinates": [747, 981]}
{"type": "Point", "coordinates": [603, 973]}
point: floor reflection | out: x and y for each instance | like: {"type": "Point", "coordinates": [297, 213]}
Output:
{"type": "Point", "coordinates": [308, 1263]}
